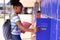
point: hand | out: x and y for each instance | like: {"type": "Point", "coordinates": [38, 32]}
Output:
{"type": "Point", "coordinates": [22, 31]}
{"type": "Point", "coordinates": [36, 29]}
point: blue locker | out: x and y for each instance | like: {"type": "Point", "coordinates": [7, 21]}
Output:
{"type": "Point", "coordinates": [50, 8]}
{"type": "Point", "coordinates": [53, 29]}
{"type": "Point", "coordinates": [58, 9]}
{"type": "Point", "coordinates": [44, 23]}
{"type": "Point", "coordinates": [58, 30]}
{"type": "Point", "coordinates": [50, 25]}
{"type": "Point", "coordinates": [42, 6]}
{"type": "Point", "coordinates": [58, 20]}
{"type": "Point", "coordinates": [54, 4]}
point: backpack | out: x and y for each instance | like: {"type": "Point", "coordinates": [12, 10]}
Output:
{"type": "Point", "coordinates": [7, 29]}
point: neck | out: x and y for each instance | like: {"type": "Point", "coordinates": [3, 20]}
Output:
{"type": "Point", "coordinates": [15, 12]}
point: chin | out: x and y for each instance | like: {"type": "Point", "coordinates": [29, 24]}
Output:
{"type": "Point", "coordinates": [19, 13]}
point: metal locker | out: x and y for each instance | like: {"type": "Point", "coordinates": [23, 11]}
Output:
{"type": "Point", "coordinates": [45, 25]}
{"type": "Point", "coordinates": [49, 8]}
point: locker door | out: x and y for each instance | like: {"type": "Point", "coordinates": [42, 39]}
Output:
{"type": "Point", "coordinates": [54, 19]}
{"type": "Point", "coordinates": [58, 38]}
{"type": "Point", "coordinates": [44, 23]}
{"type": "Point", "coordinates": [49, 8]}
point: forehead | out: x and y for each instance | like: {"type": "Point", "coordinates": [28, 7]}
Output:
{"type": "Point", "coordinates": [20, 6]}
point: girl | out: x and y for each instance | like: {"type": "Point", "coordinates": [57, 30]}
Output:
{"type": "Point", "coordinates": [16, 25]}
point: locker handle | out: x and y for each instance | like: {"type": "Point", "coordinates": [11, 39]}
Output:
{"type": "Point", "coordinates": [43, 28]}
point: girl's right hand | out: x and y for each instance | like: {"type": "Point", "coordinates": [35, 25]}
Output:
{"type": "Point", "coordinates": [36, 29]}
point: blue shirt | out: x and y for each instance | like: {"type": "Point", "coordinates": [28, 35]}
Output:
{"type": "Point", "coordinates": [14, 28]}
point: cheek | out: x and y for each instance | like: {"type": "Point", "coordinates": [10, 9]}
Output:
{"type": "Point", "coordinates": [20, 10]}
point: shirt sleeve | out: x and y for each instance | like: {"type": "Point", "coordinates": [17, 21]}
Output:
{"type": "Point", "coordinates": [16, 18]}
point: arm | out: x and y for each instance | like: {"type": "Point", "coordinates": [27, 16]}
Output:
{"type": "Point", "coordinates": [24, 28]}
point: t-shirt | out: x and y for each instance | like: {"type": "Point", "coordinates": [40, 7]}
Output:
{"type": "Point", "coordinates": [14, 28]}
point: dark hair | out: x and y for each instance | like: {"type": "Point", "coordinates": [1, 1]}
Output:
{"type": "Point", "coordinates": [13, 1]}
{"type": "Point", "coordinates": [16, 3]}
{"type": "Point", "coordinates": [38, 11]}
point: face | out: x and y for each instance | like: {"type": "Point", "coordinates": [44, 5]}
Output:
{"type": "Point", "coordinates": [38, 15]}
{"type": "Point", "coordinates": [18, 9]}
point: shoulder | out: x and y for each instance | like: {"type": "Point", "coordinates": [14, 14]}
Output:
{"type": "Point", "coordinates": [16, 18]}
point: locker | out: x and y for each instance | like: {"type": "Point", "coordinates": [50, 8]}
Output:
{"type": "Point", "coordinates": [53, 29]}
{"type": "Point", "coordinates": [58, 36]}
{"type": "Point", "coordinates": [58, 9]}
{"type": "Point", "coordinates": [58, 28]}
{"type": "Point", "coordinates": [45, 25]}
{"type": "Point", "coordinates": [51, 8]}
